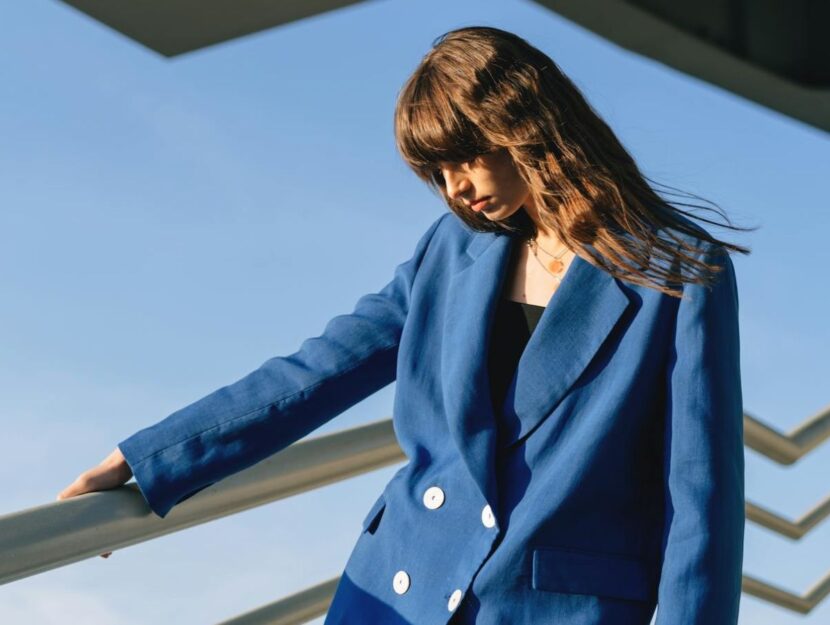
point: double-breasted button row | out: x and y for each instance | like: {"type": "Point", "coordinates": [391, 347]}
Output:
{"type": "Point", "coordinates": [434, 498]}
{"type": "Point", "coordinates": [401, 583]}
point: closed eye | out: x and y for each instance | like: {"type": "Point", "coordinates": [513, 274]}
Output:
{"type": "Point", "coordinates": [438, 176]}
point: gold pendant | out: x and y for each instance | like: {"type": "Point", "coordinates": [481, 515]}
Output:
{"type": "Point", "coordinates": [555, 266]}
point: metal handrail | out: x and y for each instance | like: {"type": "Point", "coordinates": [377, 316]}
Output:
{"type": "Point", "coordinates": [295, 609]}
{"type": "Point", "coordinates": [63, 532]}
{"type": "Point", "coordinates": [40, 538]}
{"type": "Point", "coordinates": [791, 529]}
{"type": "Point", "coordinates": [787, 448]}
{"type": "Point", "coordinates": [784, 598]}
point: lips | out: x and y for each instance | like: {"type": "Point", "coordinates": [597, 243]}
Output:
{"type": "Point", "coordinates": [480, 203]}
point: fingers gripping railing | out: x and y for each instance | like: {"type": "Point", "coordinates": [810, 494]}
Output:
{"type": "Point", "coordinates": [60, 533]}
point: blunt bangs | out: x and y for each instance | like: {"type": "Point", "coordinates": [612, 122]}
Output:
{"type": "Point", "coordinates": [432, 129]}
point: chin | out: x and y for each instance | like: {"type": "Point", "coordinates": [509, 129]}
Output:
{"type": "Point", "coordinates": [502, 213]}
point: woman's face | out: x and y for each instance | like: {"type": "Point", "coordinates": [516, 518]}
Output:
{"type": "Point", "coordinates": [492, 177]}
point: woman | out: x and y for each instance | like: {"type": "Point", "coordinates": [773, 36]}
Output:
{"type": "Point", "coordinates": [566, 350]}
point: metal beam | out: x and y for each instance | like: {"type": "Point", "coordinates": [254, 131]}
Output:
{"type": "Point", "coordinates": [765, 76]}
{"type": "Point", "coordinates": [771, 53]}
{"type": "Point", "coordinates": [173, 27]}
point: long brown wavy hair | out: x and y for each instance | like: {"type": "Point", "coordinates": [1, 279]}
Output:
{"type": "Point", "coordinates": [481, 89]}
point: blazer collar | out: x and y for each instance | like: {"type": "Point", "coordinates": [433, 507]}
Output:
{"type": "Point", "coordinates": [582, 312]}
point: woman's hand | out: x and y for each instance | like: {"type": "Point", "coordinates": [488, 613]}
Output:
{"type": "Point", "coordinates": [111, 473]}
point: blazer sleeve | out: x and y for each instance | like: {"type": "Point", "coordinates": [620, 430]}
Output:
{"type": "Point", "coordinates": [702, 542]}
{"type": "Point", "coordinates": [287, 397]}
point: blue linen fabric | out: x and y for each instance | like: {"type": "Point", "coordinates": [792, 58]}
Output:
{"type": "Point", "coordinates": [616, 484]}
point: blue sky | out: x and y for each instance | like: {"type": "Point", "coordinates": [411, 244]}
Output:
{"type": "Point", "coordinates": [168, 225]}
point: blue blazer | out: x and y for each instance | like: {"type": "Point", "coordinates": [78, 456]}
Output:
{"type": "Point", "coordinates": [617, 480]}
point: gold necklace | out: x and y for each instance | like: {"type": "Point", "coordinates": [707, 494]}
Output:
{"type": "Point", "coordinates": [554, 266]}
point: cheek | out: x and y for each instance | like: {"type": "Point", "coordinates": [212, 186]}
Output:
{"type": "Point", "coordinates": [514, 190]}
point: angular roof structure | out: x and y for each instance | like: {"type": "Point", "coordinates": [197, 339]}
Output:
{"type": "Point", "coordinates": [776, 54]}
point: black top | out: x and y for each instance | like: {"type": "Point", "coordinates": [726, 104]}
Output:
{"type": "Point", "coordinates": [513, 324]}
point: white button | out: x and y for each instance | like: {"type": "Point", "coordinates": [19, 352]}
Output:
{"type": "Point", "coordinates": [433, 497]}
{"type": "Point", "coordinates": [455, 599]}
{"type": "Point", "coordinates": [487, 517]}
{"type": "Point", "coordinates": [401, 582]}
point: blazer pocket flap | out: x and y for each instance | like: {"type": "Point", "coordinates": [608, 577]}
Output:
{"type": "Point", "coordinates": [605, 575]}
{"type": "Point", "coordinates": [373, 517]}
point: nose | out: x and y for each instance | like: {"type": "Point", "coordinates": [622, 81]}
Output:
{"type": "Point", "coordinates": [456, 184]}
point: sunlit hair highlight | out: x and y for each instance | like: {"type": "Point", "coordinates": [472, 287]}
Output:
{"type": "Point", "coordinates": [481, 89]}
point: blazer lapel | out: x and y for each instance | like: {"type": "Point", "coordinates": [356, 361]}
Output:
{"type": "Point", "coordinates": [576, 322]}
{"type": "Point", "coordinates": [581, 313]}
{"type": "Point", "coordinates": [473, 290]}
